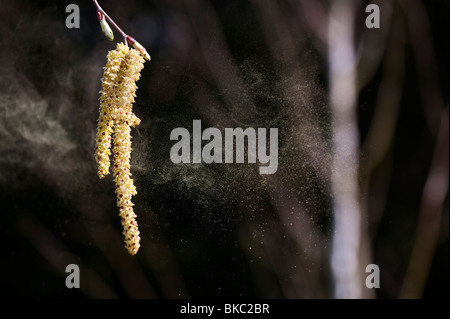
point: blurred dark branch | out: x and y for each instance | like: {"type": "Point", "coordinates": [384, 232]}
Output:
{"type": "Point", "coordinates": [388, 100]}
{"type": "Point", "coordinates": [283, 42]}
{"type": "Point", "coordinates": [217, 56]}
{"type": "Point", "coordinates": [284, 38]}
{"type": "Point", "coordinates": [372, 43]}
{"type": "Point", "coordinates": [434, 194]}
{"type": "Point", "coordinates": [380, 137]}
{"type": "Point", "coordinates": [59, 256]}
{"type": "Point", "coordinates": [425, 57]}
{"type": "Point", "coordinates": [316, 18]}
{"type": "Point", "coordinates": [435, 189]}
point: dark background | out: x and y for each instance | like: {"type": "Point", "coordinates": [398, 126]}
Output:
{"type": "Point", "coordinates": [219, 231]}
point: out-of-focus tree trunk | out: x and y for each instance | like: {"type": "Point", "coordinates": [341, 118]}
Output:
{"type": "Point", "coordinates": [345, 261]}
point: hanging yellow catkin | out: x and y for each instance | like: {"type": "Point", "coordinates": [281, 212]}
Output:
{"type": "Point", "coordinates": [108, 102]}
{"type": "Point", "coordinates": [116, 116]}
{"type": "Point", "coordinates": [129, 73]}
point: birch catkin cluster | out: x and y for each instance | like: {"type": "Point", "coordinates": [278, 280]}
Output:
{"type": "Point", "coordinates": [116, 118]}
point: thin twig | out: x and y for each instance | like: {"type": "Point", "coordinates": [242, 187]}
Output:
{"type": "Point", "coordinates": [124, 35]}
